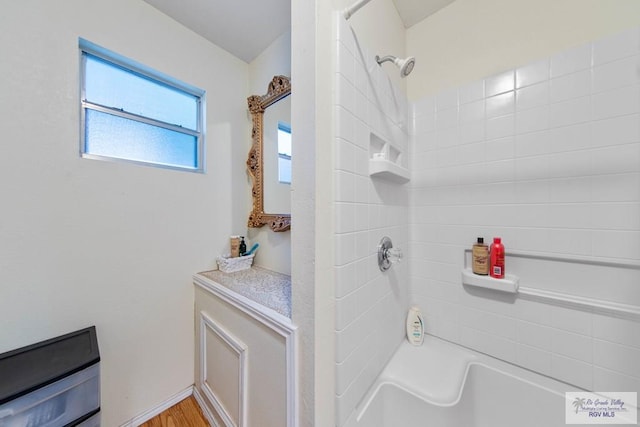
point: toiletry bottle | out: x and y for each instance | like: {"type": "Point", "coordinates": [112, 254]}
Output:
{"type": "Point", "coordinates": [243, 247]}
{"type": "Point", "coordinates": [497, 258]}
{"type": "Point", "coordinates": [415, 326]}
{"type": "Point", "coordinates": [480, 255]}
{"type": "Point", "coordinates": [234, 243]}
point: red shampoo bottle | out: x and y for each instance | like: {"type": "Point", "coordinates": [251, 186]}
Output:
{"type": "Point", "coordinates": [496, 256]}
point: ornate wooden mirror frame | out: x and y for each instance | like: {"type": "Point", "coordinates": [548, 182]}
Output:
{"type": "Point", "coordinates": [279, 88]}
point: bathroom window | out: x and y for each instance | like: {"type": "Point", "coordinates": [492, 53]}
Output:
{"type": "Point", "coordinates": [284, 153]}
{"type": "Point", "coordinates": [132, 113]}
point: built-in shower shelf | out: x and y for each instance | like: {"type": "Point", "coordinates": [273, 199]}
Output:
{"type": "Point", "coordinates": [387, 169]}
{"type": "Point", "coordinates": [508, 284]}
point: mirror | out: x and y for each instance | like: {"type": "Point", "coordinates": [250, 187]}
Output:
{"type": "Point", "coordinates": [269, 161]}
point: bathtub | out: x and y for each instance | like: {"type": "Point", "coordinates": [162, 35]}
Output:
{"type": "Point", "coordinates": [444, 385]}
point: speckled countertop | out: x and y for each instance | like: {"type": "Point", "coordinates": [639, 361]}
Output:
{"type": "Point", "coordinates": [266, 287]}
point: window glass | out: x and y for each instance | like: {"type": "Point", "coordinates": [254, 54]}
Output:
{"type": "Point", "coordinates": [133, 113]}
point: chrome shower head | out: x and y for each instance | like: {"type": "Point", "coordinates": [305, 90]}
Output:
{"type": "Point", "coordinates": [405, 65]}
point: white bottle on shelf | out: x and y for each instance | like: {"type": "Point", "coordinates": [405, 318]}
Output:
{"type": "Point", "coordinates": [415, 326]}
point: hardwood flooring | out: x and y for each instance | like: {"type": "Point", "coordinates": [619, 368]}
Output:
{"type": "Point", "coordinates": [186, 413]}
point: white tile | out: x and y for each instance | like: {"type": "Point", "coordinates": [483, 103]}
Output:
{"type": "Point", "coordinates": [500, 171]}
{"type": "Point", "coordinates": [501, 326]}
{"type": "Point", "coordinates": [621, 331]}
{"type": "Point", "coordinates": [345, 186]}
{"type": "Point", "coordinates": [617, 130]}
{"type": "Point", "coordinates": [568, 215]}
{"type": "Point", "coordinates": [345, 155]}
{"type": "Point", "coordinates": [534, 359]}
{"type": "Point", "coordinates": [471, 131]}
{"type": "Point", "coordinates": [570, 112]}
{"type": "Point", "coordinates": [572, 345]}
{"type": "Point", "coordinates": [572, 371]}
{"type": "Point", "coordinates": [471, 112]}
{"type": "Point", "coordinates": [533, 73]}
{"type": "Point", "coordinates": [345, 62]}
{"type": "Point", "coordinates": [500, 127]}
{"type": "Point", "coordinates": [605, 379]}
{"type": "Point", "coordinates": [499, 83]}
{"type": "Point", "coordinates": [619, 216]}
{"type": "Point", "coordinates": [344, 247]}
{"type": "Point", "coordinates": [446, 138]}
{"type": "Point", "coordinates": [616, 244]}
{"type": "Point", "coordinates": [500, 105]}
{"type": "Point", "coordinates": [619, 358]}
{"type": "Point", "coordinates": [471, 92]}
{"type": "Point", "coordinates": [616, 188]}
{"type": "Point", "coordinates": [345, 279]}
{"type": "Point", "coordinates": [344, 123]}
{"type": "Point", "coordinates": [620, 73]}
{"type": "Point", "coordinates": [571, 60]}
{"type": "Point", "coordinates": [446, 118]}
{"type": "Point", "coordinates": [500, 149]}
{"type": "Point", "coordinates": [532, 120]}
{"type": "Point", "coordinates": [616, 159]}
{"type": "Point", "coordinates": [488, 343]}
{"type": "Point", "coordinates": [424, 106]}
{"type": "Point", "coordinates": [617, 46]}
{"type": "Point", "coordinates": [568, 86]}
{"type": "Point", "coordinates": [532, 191]}
{"type": "Point", "coordinates": [570, 320]}
{"type": "Point", "coordinates": [345, 217]}
{"type": "Point", "coordinates": [571, 242]}
{"type": "Point", "coordinates": [570, 138]}
{"type": "Point", "coordinates": [345, 93]}
{"type": "Point", "coordinates": [532, 168]}
{"type": "Point", "coordinates": [616, 102]}
{"type": "Point", "coordinates": [536, 95]}
{"type": "Point", "coordinates": [535, 335]}
{"type": "Point", "coordinates": [572, 189]}
{"type": "Point", "coordinates": [424, 124]}
{"type": "Point", "coordinates": [532, 143]}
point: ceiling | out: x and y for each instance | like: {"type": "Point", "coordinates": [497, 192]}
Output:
{"type": "Point", "coordinates": [246, 27]}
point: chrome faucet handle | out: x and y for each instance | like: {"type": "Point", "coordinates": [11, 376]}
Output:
{"type": "Point", "coordinates": [387, 254]}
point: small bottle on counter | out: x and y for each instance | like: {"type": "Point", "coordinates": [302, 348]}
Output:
{"type": "Point", "coordinates": [234, 242]}
{"type": "Point", "coordinates": [480, 257]}
{"type": "Point", "coordinates": [497, 259]}
{"type": "Point", "coordinates": [242, 249]}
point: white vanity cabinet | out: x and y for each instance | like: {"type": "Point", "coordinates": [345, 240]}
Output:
{"type": "Point", "coordinates": [245, 373]}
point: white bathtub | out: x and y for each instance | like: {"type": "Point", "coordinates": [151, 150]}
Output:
{"type": "Point", "coordinates": [444, 385]}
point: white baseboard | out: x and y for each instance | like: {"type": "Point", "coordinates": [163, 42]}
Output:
{"type": "Point", "coordinates": [205, 409]}
{"type": "Point", "coordinates": [163, 406]}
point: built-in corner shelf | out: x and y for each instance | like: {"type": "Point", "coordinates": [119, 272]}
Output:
{"type": "Point", "coordinates": [386, 169]}
{"type": "Point", "coordinates": [508, 284]}
{"type": "Point", "coordinates": [385, 161]}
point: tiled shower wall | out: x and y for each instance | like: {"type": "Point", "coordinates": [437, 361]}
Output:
{"type": "Point", "coordinates": [370, 305]}
{"type": "Point", "coordinates": [547, 156]}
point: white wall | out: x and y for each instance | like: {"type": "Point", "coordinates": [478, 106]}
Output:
{"type": "Point", "coordinates": [89, 242]}
{"type": "Point", "coordinates": [547, 156]}
{"type": "Point", "coordinates": [470, 39]}
{"type": "Point", "coordinates": [369, 305]}
{"type": "Point", "coordinates": [275, 248]}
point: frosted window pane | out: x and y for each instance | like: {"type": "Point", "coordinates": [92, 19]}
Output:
{"type": "Point", "coordinates": [284, 153]}
{"type": "Point", "coordinates": [109, 85]}
{"type": "Point", "coordinates": [114, 136]}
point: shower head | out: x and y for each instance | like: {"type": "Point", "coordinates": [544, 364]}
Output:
{"type": "Point", "coordinates": [405, 65]}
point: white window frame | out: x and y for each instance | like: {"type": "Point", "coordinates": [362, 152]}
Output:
{"type": "Point", "coordinates": [134, 67]}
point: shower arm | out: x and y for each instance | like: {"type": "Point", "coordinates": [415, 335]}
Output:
{"type": "Point", "coordinates": [386, 58]}
{"type": "Point", "coordinates": [349, 11]}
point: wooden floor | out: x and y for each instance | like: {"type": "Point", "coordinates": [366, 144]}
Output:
{"type": "Point", "coordinates": [186, 413]}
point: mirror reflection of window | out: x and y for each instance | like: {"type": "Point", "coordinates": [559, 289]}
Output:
{"type": "Point", "coordinates": [284, 153]}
